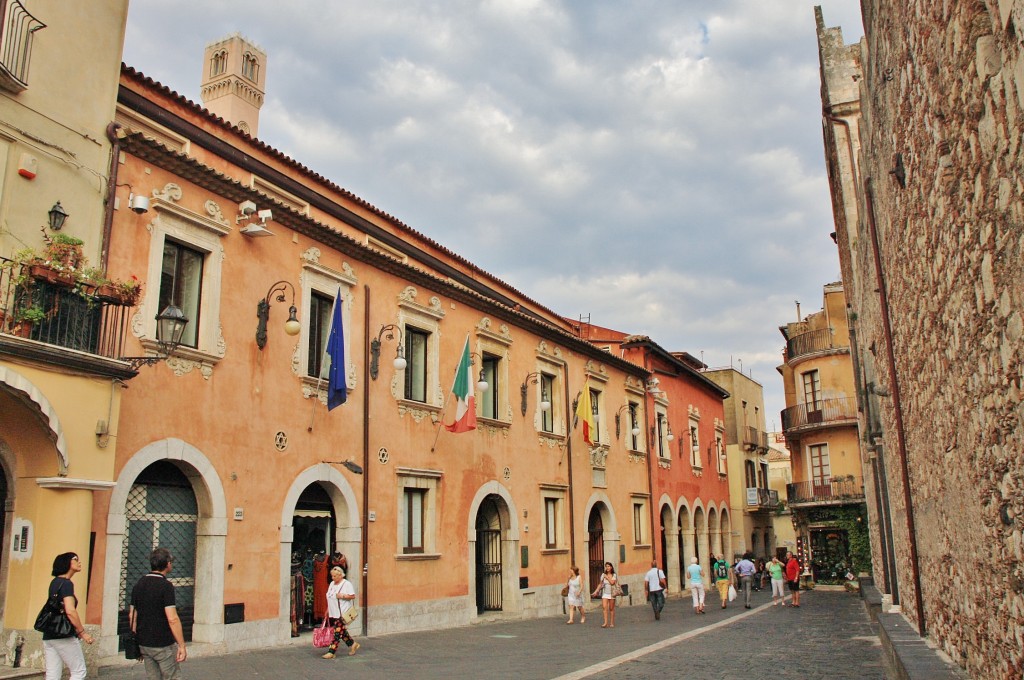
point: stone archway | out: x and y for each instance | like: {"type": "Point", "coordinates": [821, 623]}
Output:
{"type": "Point", "coordinates": [492, 509]}
{"type": "Point", "coordinates": [670, 546]}
{"type": "Point", "coordinates": [347, 538]}
{"type": "Point", "coordinates": [211, 529]}
{"type": "Point", "coordinates": [686, 539]}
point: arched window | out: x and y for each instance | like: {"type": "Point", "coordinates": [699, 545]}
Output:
{"type": "Point", "coordinates": [218, 63]}
{"type": "Point", "coordinates": [250, 67]}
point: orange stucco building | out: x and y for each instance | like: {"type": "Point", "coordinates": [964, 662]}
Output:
{"type": "Point", "coordinates": [221, 447]}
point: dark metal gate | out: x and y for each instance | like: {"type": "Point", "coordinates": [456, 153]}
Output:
{"type": "Point", "coordinates": [488, 570]}
{"type": "Point", "coordinates": [161, 512]}
{"type": "Point", "coordinates": [595, 533]}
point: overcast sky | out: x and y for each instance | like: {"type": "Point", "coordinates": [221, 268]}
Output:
{"type": "Point", "coordinates": [656, 166]}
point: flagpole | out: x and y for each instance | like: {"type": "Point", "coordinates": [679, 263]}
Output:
{"type": "Point", "coordinates": [440, 422]}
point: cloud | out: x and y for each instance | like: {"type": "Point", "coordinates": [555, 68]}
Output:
{"type": "Point", "coordinates": [656, 165]}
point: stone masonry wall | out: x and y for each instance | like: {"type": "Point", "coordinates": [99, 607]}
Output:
{"type": "Point", "coordinates": [942, 96]}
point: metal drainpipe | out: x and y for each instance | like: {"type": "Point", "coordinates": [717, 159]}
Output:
{"type": "Point", "coordinates": [568, 455]}
{"type": "Point", "coordinates": [650, 469]}
{"type": "Point", "coordinates": [108, 207]}
{"type": "Point", "coordinates": [901, 444]}
{"type": "Point", "coordinates": [366, 461]}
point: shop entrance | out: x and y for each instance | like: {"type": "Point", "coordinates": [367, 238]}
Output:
{"type": "Point", "coordinates": [313, 554]}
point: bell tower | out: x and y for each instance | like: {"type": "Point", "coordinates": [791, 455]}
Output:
{"type": "Point", "coordinates": [234, 81]}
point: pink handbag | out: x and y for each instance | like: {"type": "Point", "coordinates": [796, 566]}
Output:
{"type": "Point", "coordinates": [323, 636]}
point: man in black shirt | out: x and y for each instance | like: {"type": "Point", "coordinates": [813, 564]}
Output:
{"type": "Point", "coordinates": [154, 618]}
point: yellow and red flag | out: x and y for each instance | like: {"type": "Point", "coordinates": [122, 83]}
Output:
{"type": "Point", "coordinates": [585, 413]}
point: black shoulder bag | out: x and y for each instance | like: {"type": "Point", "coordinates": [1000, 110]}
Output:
{"type": "Point", "coordinates": [52, 619]}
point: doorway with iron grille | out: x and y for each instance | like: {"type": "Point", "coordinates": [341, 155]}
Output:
{"type": "Point", "coordinates": [489, 584]}
{"type": "Point", "coordinates": [595, 551]}
{"type": "Point", "coordinates": [161, 511]}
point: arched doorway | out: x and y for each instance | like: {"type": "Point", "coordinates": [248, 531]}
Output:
{"type": "Point", "coordinates": [161, 511]}
{"type": "Point", "coordinates": [595, 539]}
{"type": "Point", "coordinates": [684, 531]}
{"type": "Point", "coordinates": [726, 524]}
{"type": "Point", "coordinates": [313, 525]}
{"type": "Point", "coordinates": [488, 555]}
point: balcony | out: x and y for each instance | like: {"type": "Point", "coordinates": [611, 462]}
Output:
{"type": "Point", "coordinates": [812, 342]}
{"type": "Point", "coordinates": [754, 439]}
{"type": "Point", "coordinates": [836, 491]}
{"type": "Point", "coordinates": [17, 27]}
{"type": "Point", "coordinates": [762, 499]}
{"type": "Point", "coordinates": [62, 315]}
{"type": "Point", "coordinates": [822, 413]}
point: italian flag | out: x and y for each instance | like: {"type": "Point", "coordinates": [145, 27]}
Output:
{"type": "Point", "coordinates": [465, 408]}
{"type": "Point", "coordinates": [585, 413]}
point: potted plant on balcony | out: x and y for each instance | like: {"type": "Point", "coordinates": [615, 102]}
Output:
{"type": "Point", "coordinates": [26, 318]}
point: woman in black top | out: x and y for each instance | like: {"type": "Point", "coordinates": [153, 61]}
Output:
{"type": "Point", "coordinates": [61, 651]}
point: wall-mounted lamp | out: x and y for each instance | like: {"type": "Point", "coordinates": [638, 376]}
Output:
{"type": "Point", "coordinates": [291, 326]}
{"type": "Point", "coordinates": [349, 465]}
{"type": "Point", "coordinates": [389, 331]}
{"type": "Point", "coordinates": [532, 379]}
{"type": "Point", "coordinates": [170, 326]}
{"type": "Point", "coordinates": [481, 384]}
{"type": "Point", "coordinates": [57, 216]}
{"type": "Point", "coordinates": [635, 430]}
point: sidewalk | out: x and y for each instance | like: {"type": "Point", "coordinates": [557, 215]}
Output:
{"type": "Point", "coordinates": [829, 634]}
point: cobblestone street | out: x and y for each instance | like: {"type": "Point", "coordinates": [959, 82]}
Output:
{"type": "Point", "coordinates": [830, 634]}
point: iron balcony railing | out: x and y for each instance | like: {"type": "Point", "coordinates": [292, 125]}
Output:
{"type": "Point", "coordinates": [60, 314]}
{"type": "Point", "coordinates": [17, 28]}
{"type": "Point", "coordinates": [834, 490]}
{"type": "Point", "coordinates": [821, 412]}
{"type": "Point", "coordinates": [762, 498]}
{"type": "Point", "coordinates": [812, 341]}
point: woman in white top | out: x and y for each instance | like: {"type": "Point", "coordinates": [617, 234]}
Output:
{"type": "Point", "coordinates": [607, 590]}
{"type": "Point", "coordinates": [574, 600]}
{"type": "Point", "coordinates": [696, 576]}
{"type": "Point", "coordinates": [341, 596]}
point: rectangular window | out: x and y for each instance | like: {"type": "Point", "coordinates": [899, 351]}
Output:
{"type": "Point", "coordinates": [694, 445]}
{"type": "Point", "coordinates": [416, 344]}
{"type": "Point", "coordinates": [821, 469]}
{"type": "Point", "coordinates": [812, 390]}
{"type": "Point", "coordinates": [547, 391]}
{"type": "Point", "coordinates": [634, 427]}
{"type": "Point", "coordinates": [181, 285]}
{"type": "Point", "coordinates": [720, 453]}
{"type": "Point", "coordinates": [595, 408]}
{"type": "Point", "coordinates": [489, 399]}
{"type": "Point", "coordinates": [551, 523]}
{"type": "Point", "coordinates": [320, 308]}
{"type": "Point", "coordinates": [638, 523]}
{"type": "Point", "coordinates": [412, 541]}
{"type": "Point", "coordinates": [662, 449]}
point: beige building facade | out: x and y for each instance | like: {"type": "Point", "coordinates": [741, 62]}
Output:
{"type": "Point", "coordinates": [754, 503]}
{"type": "Point", "coordinates": [826, 495]}
{"type": "Point", "coordinates": [57, 399]}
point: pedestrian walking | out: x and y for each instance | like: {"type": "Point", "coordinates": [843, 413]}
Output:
{"type": "Point", "coordinates": [606, 589]}
{"type": "Point", "coordinates": [778, 577]}
{"type": "Point", "coordinates": [153, 618]}
{"type": "Point", "coordinates": [793, 577]}
{"type": "Point", "coordinates": [745, 571]}
{"type": "Point", "coordinates": [696, 575]}
{"type": "Point", "coordinates": [65, 651]}
{"type": "Point", "coordinates": [341, 596]}
{"type": "Point", "coordinates": [721, 571]}
{"type": "Point", "coordinates": [574, 596]}
{"type": "Point", "coordinates": [654, 589]}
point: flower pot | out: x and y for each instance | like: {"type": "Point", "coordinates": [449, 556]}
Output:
{"type": "Point", "coordinates": [41, 272]}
